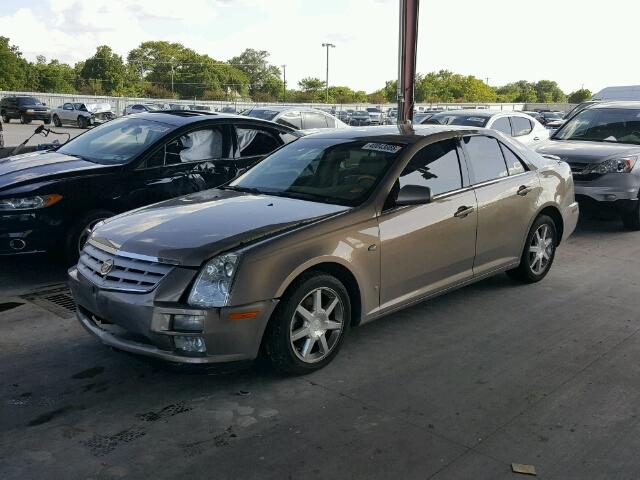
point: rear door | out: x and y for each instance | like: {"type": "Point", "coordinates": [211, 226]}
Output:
{"type": "Point", "coordinates": [427, 248]}
{"type": "Point", "coordinates": [507, 194]}
{"type": "Point", "coordinates": [254, 142]}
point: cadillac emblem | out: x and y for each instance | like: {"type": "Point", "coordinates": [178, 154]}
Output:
{"type": "Point", "coordinates": [106, 267]}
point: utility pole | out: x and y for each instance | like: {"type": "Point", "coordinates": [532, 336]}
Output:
{"type": "Point", "coordinates": [284, 83]}
{"type": "Point", "coordinates": [327, 46]}
{"type": "Point", "coordinates": [408, 46]}
{"type": "Point", "coordinates": [487, 79]}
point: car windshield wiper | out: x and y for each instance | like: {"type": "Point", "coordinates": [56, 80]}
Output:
{"type": "Point", "coordinates": [236, 188]}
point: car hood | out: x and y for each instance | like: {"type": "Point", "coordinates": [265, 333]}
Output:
{"type": "Point", "coordinates": [31, 167]}
{"type": "Point", "coordinates": [586, 152]}
{"type": "Point", "coordinates": [191, 229]}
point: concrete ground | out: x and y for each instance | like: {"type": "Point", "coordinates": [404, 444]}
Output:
{"type": "Point", "coordinates": [459, 387]}
{"type": "Point", "coordinates": [15, 133]}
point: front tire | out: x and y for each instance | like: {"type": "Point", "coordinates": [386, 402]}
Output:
{"type": "Point", "coordinates": [79, 232]}
{"type": "Point", "coordinates": [309, 325]}
{"type": "Point", "coordinates": [56, 121]}
{"type": "Point", "coordinates": [25, 120]}
{"type": "Point", "coordinates": [82, 122]}
{"type": "Point", "coordinates": [539, 251]}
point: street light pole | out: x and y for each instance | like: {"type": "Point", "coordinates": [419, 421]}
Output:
{"type": "Point", "coordinates": [284, 83]}
{"type": "Point", "coordinates": [327, 46]}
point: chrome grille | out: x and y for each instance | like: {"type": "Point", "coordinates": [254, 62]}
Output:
{"type": "Point", "coordinates": [127, 274]}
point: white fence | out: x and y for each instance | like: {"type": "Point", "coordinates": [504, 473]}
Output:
{"type": "Point", "coordinates": [118, 104]}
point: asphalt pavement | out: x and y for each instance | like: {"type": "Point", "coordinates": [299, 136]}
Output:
{"type": "Point", "coordinates": [459, 387]}
{"type": "Point", "coordinates": [15, 133]}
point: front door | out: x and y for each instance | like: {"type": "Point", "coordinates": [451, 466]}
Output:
{"type": "Point", "coordinates": [427, 248]}
{"type": "Point", "coordinates": [507, 194]}
{"type": "Point", "coordinates": [187, 163]}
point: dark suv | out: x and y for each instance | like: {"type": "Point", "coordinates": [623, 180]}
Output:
{"type": "Point", "coordinates": [24, 108]}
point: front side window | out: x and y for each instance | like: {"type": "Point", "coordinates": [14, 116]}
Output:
{"type": "Point", "coordinates": [521, 126]}
{"type": "Point", "coordinates": [436, 166]}
{"type": "Point", "coordinates": [485, 157]}
{"type": "Point", "coordinates": [514, 164]}
{"type": "Point", "coordinates": [615, 125]}
{"type": "Point", "coordinates": [322, 170]}
{"type": "Point", "coordinates": [503, 125]}
{"type": "Point", "coordinates": [117, 141]}
{"type": "Point", "coordinates": [197, 146]}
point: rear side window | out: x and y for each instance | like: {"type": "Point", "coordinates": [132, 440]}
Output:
{"type": "Point", "coordinates": [255, 141]}
{"type": "Point", "coordinates": [436, 166]}
{"type": "Point", "coordinates": [502, 125]}
{"type": "Point", "coordinates": [521, 126]}
{"type": "Point", "coordinates": [514, 164]}
{"type": "Point", "coordinates": [485, 158]}
{"type": "Point", "coordinates": [314, 120]}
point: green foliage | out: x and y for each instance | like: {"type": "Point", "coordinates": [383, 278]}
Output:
{"type": "Point", "coordinates": [579, 96]}
{"type": "Point", "coordinates": [544, 91]}
{"type": "Point", "coordinates": [104, 72]}
{"type": "Point", "coordinates": [53, 77]}
{"type": "Point", "coordinates": [263, 79]}
{"type": "Point", "coordinates": [13, 68]}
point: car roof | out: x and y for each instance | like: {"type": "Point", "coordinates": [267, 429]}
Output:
{"type": "Point", "coordinates": [475, 113]}
{"type": "Point", "coordinates": [391, 133]}
{"type": "Point", "coordinates": [618, 104]}
{"type": "Point", "coordinates": [185, 117]}
{"type": "Point", "coordinates": [284, 108]}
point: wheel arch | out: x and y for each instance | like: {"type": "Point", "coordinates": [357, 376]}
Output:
{"type": "Point", "coordinates": [337, 269]}
{"type": "Point", "coordinates": [553, 212]}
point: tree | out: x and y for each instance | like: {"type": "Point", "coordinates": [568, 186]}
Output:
{"type": "Point", "coordinates": [548, 91]}
{"type": "Point", "coordinates": [13, 68]}
{"type": "Point", "coordinates": [579, 96]}
{"type": "Point", "coordinates": [264, 79]}
{"type": "Point", "coordinates": [52, 77]}
{"type": "Point", "coordinates": [105, 72]}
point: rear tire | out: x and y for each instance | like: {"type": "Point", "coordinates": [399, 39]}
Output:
{"type": "Point", "coordinates": [56, 121]}
{"type": "Point", "coordinates": [79, 232]}
{"type": "Point", "coordinates": [631, 220]}
{"type": "Point", "coordinates": [306, 331]}
{"type": "Point", "coordinates": [539, 251]}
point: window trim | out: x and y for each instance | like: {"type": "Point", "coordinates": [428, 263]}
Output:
{"type": "Point", "coordinates": [498, 117]}
{"type": "Point", "coordinates": [513, 128]}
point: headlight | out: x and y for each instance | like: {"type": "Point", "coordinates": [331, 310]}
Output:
{"type": "Point", "coordinates": [30, 110]}
{"type": "Point", "coordinates": [213, 284]}
{"type": "Point", "coordinates": [29, 203]}
{"type": "Point", "coordinates": [615, 165]}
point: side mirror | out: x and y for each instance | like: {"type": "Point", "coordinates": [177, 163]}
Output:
{"type": "Point", "coordinates": [413, 195]}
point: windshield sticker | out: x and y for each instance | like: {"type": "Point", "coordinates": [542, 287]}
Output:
{"type": "Point", "coordinates": [382, 147]}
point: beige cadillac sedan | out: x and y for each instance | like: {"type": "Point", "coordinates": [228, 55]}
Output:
{"type": "Point", "coordinates": [331, 231]}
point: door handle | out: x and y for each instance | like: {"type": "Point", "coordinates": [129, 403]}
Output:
{"type": "Point", "coordinates": [463, 211]}
{"type": "Point", "coordinates": [523, 190]}
{"type": "Point", "coordinates": [535, 139]}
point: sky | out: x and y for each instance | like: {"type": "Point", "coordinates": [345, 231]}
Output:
{"type": "Point", "coordinates": [573, 42]}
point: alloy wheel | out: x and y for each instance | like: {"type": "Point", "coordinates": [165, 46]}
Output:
{"type": "Point", "coordinates": [317, 325]}
{"type": "Point", "coordinates": [541, 249]}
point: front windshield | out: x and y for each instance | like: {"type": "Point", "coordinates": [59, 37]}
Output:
{"type": "Point", "coordinates": [458, 119]}
{"type": "Point", "coordinates": [321, 170]}
{"type": "Point", "coordinates": [263, 114]}
{"type": "Point", "coordinates": [28, 101]}
{"type": "Point", "coordinates": [616, 125]}
{"type": "Point", "coordinates": [117, 141]}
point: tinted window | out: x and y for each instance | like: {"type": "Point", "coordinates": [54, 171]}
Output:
{"type": "Point", "coordinates": [514, 164]}
{"type": "Point", "coordinates": [291, 119]}
{"type": "Point", "coordinates": [502, 125]}
{"type": "Point", "coordinates": [252, 141]}
{"type": "Point", "coordinates": [263, 114]}
{"type": "Point", "coordinates": [314, 120]}
{"type": "Point", "coordinates": [28, 101]}
{"type": "Point", "coordinates": [117, 141]}
{"type": "Point", "coordinates": [487, 162]}
{"type": "Point", "coordinates": [521, 126]}
{"type": "Point", "coordinates": [458, 119]}
{"type": "Point", "coordinates": [436, 166]}
{"type": "Point", "coordinates": [322, 170]}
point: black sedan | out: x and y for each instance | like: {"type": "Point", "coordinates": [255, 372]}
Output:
{"type": "Point", "coordinates": [49, 201]}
